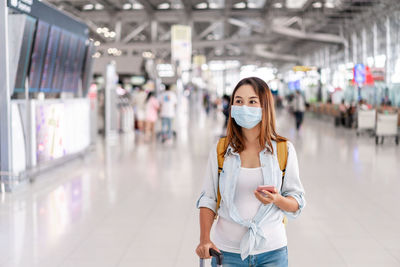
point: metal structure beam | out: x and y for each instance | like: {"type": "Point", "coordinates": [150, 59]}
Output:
{"type": "Point", "coordinates": [318, 37]}
{"type": "Point", "coordinates": [5, 99]}
{"type": "Point", "coordinates": [208, 30]}
{"type": "Point", "coordinates": [135, 32]}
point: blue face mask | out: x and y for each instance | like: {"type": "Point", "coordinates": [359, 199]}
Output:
{"type": "Point", "coordinates": [247, 117]}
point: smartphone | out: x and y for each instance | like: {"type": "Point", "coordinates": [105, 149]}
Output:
{"type": "Point", "coordinates": [269, 188]}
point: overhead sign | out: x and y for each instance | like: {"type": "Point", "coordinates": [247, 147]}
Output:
{"type": "Point", "coordinates": [181, 46]}
{"type": "Point", "coordinates": [303, 68]}
{"type": "Point", "coordinates": [49, 14]}
{"type": "Point", "coordinates": [359, 73]}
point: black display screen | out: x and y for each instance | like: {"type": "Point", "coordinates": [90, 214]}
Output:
{"type": "Point", "coordinates": [77, 74]}
{"type": "Point", "coordinates": [25, 54]}
{"type": "Point", "coordinates": [69, 63]}
{"type": "Point", "coordinates": [62, 54]}
{"type": "Point", "coordinates": [50, 60]}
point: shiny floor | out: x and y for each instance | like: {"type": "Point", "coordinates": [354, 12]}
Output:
{"type": "Point", "coordinates": [132, 202]}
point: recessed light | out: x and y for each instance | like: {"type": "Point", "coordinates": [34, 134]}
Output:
{"type": "Point", "coordinates": [240, 5]}
{"type": "Point", "coordinates": [202, 5]}
{"type": "Point", "coordinates": [278, 5]}
{"type": "Point", "coordinates": [317, 5]}
{"type": "Point", "coordinates": [163, 6]}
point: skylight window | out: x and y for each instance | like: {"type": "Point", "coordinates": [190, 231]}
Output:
{"type": "Point", "coordinates": [295, 4]}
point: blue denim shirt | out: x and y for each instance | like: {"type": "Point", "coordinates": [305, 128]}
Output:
{"type": "Point", "coordinates": [272, 175]}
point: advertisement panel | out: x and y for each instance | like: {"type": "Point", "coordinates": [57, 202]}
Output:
{"type": "Point", "coordinates": [181, 47]}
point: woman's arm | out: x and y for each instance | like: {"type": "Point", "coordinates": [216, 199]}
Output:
{"type": "Point", "coordinates": [288, 204]}
{"type": "Point", "coordinates": [206, 221]}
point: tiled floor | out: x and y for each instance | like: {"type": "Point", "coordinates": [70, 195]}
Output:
{"type": "Point", "coordinates": [132, 203]}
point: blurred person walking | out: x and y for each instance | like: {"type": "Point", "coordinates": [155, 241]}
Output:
{"type": "Point", "coordinates": [299, 107]}
{"type": "Point", "coordinates": [250, 229]}
{"type": "Point", "coordinates": [152, 108]}
{"type": "Point", "coordinates": [139, 104]}
{"type": "Point", "coordinates": [168, 107]}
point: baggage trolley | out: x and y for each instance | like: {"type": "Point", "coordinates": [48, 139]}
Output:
{"type": "Point", "coordinates": [386, 126]}
{"type": "Point", "coordinates": [218, 256]}
{"type": "Point", "coordinates": [366, 120]}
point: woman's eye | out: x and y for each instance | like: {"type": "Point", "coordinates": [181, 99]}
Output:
{"type": "Point", "coordinates": [253, 102]}
{"type": "Point", "coordinates": [238, 101]}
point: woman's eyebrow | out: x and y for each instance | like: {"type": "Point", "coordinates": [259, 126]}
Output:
{"type": "Point", "coordinates": [238, 96]}
{"type": "Point", "coordinates": [253, 97]}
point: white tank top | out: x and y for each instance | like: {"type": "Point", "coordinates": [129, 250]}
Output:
{"type": "Point", "coordinates": [227, 234]}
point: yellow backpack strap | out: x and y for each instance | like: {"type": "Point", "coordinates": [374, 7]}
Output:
{"type": "Point", "coordinates": [220, 156]}
{"type": "Point", "coordinates": [282, 153]}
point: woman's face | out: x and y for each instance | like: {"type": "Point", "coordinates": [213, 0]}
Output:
{"type": "Point", "coordinates": [246, 95]}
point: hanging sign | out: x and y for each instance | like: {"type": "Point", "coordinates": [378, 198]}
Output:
{"type": "Point", "coordinates": [181, 46]}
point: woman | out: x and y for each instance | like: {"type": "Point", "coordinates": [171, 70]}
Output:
{"type": "Point", "coordinates": [249, 231]}
{"type": "Point", "coordinates": [152, 107]}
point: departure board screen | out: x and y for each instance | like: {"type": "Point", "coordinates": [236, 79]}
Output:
{"type": "Point", "coordinates": [24, 59]}
{"type": "Point", "coordinates": [78, 63]}
{"type": "Point", "coordinates": [50, 60]}
{"type": "Point", "coordinates": [87, 68]}
{"type": "Point", "coordinates": [38, 55]}
{"type": "Point", "coordinates": [62, 54]}
{"type": "Point", "coordinates": [69, 63]}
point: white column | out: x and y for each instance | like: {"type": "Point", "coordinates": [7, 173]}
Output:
{"type": "Point", "coordinates": [375, 40]}
{"type": "Point", "coordinates": [5, 100]}
{"type": "Point", "coordinates": [354, 46]}
{"type": "Point", "coordinates": [364, 45]}
{"type": "Point", "coordinates": [388, 52]}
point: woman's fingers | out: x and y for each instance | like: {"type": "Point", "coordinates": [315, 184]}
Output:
{"type": "Point", "coordinates": [261, 198]}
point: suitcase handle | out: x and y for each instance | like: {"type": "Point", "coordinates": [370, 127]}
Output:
{"type": "Point", "coordinates": [218, 256]}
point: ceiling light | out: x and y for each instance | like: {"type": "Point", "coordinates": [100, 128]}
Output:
{"type": "Point", "coordinates": [137, 6]}
{"type": "Point", "coordinates": [127, 6]}
{"type": "Point", "coordinates": [112, 34]}
{"type": "Point", "coordinates": [329, 5]}
{"type": "Point", "coordinates": [99, 30]}
{"type": "Point", "coordinates": [213, 5]}
{"type": "Point", "coordinates": [202, 5]}
{"type": "Point", "coordinates": [163, 6]}
{"type": "Point", "coordinates": [96, 55]}
{"type": "Point", "coordinates": [240, 5]}
{"type": "Point", "coordinates": [251, 5]}
{"type": "Point", "coordinates": [97, 43]}
{"type": "Point", "coordinates": [99, 7]}
{"type": "Point", "coordinates": [278, 5]}
{"type": "Point", "coordinates": [88, 7]}
{"type": "Point", "coordinates": [317, 5]}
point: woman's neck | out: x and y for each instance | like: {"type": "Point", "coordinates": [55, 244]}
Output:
{"type": "Point", "coordinates": [251, 136]}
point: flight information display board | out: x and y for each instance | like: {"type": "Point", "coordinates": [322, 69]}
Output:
{"type": "Point", "coordinates": [38, 55]}
{"type": "Point", "coordinates": [25, 54]}
{"type": "Point", "coordinates": [62, 54]}
{"type": "Point", "coordinates": [78, 64]}
{"type": "Point", "coordinates": [69, 63]}
{"type": "Point", "coordinates": [50, 60]}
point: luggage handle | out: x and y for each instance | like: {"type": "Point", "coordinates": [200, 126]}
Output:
{"type": "Point", "coordinates": [218, 257]}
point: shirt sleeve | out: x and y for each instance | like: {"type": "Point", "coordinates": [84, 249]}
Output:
{"type": "Point", "coordinates": [292, 185]}
{"type": "Point", "coordinates": [208, 196]}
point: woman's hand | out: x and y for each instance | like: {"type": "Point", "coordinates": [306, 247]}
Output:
{"type": "Point", "coordinates": [267, 197]}
{"type": "Point", "coordinates": [203, 249]}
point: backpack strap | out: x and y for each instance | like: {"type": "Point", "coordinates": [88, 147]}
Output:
{"type": "Point", "coordinates": [220, 156]}
{"type": "Point", "coordinates": [282, 153]}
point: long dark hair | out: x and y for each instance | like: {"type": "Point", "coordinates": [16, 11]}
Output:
{"type": "Point", "coordinates": [268, 132]}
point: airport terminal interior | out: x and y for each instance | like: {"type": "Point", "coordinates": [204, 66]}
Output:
{"type": "Point", "coordinates": [111, 111]}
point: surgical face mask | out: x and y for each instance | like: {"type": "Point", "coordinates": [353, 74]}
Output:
{"type": "Point", "coordinates": [247, 117]}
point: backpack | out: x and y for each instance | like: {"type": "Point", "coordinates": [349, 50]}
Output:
{"type": "Point", "coordinates": [282, 154]}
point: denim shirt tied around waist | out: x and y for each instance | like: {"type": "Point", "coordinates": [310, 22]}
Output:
{"type": "Point", "coordinates": [272, 175]}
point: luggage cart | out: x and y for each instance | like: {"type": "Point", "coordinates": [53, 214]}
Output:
{"type": "Point", "coordinates": [366, 120]}
{"type": "Point", "coordinates": [386, 126]}
{"type": "Point", "coordinates": [218, 256]}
